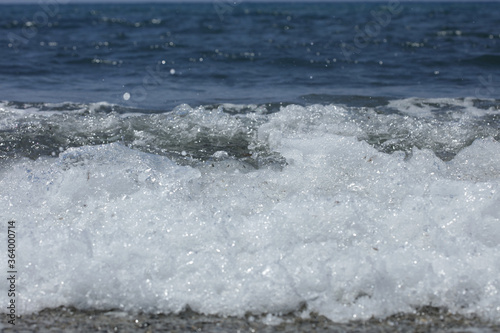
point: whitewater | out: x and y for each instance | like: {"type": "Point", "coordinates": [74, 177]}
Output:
{"type": "Point", "coordinates": [349, 212]}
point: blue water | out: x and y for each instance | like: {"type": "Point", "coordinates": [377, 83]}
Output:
{"type": "Point", "coordinates": [224, 52]}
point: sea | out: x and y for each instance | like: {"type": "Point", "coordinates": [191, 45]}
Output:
{"type": "Point", "coordinates": [234, 158]}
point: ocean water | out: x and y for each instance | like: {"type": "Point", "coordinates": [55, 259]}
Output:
{"type": "Point", "coordinates": [234, 158]}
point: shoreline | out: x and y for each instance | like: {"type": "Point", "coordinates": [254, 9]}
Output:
{"type": "Point", "coordinates": [70, 319]}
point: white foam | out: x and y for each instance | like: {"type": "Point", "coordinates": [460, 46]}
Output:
{"type": "Point", "coordinates": [344, 228]}
{"type": "Point", "coordinates": [427, 107]}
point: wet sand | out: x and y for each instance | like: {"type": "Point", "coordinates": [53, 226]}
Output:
{"type": "Point", "coordinates": [64, 319]}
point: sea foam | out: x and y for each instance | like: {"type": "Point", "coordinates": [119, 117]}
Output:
{"type": "Point", "coordinates": [347, 230]}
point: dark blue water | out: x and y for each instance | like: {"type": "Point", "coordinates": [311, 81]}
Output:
{"type": "Point", "coordinates": [161, 55]}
